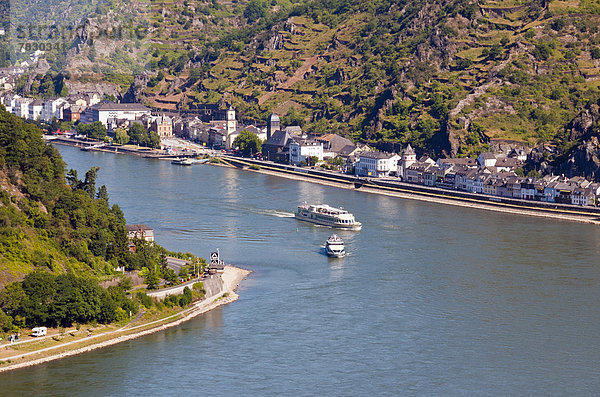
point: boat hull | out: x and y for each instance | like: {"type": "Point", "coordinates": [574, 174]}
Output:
{"type": "Point", "coordinates": [182, 162]}
{"type": "Point", "coordinates": [355, 227]}
{"type": "Point", "coordinates": [335, 254]}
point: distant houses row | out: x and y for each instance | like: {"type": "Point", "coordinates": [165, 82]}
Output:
{"type": "Point", "coordinates": [87, 109]}
{"type": "Point", "coordinates": [489, 174]}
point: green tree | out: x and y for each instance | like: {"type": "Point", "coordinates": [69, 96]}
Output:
{"type": "Point", "coordinates": [102, 193]}
{"type": "Point", "coordinates": [247, 142]}
{"type": "Point", "coordinates": [186, 298]}
{"type": "Point", "coordinates": [121, 136]}
{"type": "Point", "coordinates": [153, 140]}
{"type": "Point", "coordinates": [170, 276]}
{"type": "Point", "coordinates": [519, 171]}
{"type": "Point", "coordinates": [95, 130]}
{"type": "Point", "coordinates": [6, 322]}
{"type": "Point", "coordinates": [152, 279]}
{"type": "Point", "coordinates": [138, 134]}
{"type": "Point", "coordinates": [89, 184]}
{"type": "Point", "coordinates": [336, 161]}
{"type": "Point", "coordinates": [495, 51]}
{"type": "Point", "coordinates": [312, 160]}
{"type": "Point", "coordinates": [11, 298]}
{"type": "Point", "coordinates": [255, 10]}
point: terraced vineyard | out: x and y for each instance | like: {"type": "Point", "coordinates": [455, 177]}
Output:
{"type": "Point", "coordinates": [452, 78]}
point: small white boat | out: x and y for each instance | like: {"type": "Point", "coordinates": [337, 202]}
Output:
{"type": "Point", "coordinates": [182, 161]}
{"type": "Point", "coordinates": [334, 246]}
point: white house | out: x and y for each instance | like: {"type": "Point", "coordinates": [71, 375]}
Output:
{"type": "Point", "coordinates": [53, 108]}
{"type": "Point", "coordinates": [21, 107]}
{"type": "Point", "coordinates": [377, 164]}
{"type": "Point", "coordinates": [300, 151]}
{"type": "Point", "coordinates": [140, 231]}
{"type": "Point", "coordinates": [227, 128]}
{"type": "Point", "coordinates": [9, 101]}
{"type": "Point", "coordinates": [35, 109]}
{"type": "Point", "coordinates": [107, 110]}
{"type": "Point", "coordinates": [486, 159]}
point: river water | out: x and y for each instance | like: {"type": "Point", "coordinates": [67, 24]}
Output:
{"type": "Point", "coordinates": [431, 299]}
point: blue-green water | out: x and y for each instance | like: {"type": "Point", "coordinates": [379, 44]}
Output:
{"type": "Point", "coordinates": [431, 300]}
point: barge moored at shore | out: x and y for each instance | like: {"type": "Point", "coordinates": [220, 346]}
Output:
{"type": "Point", "coordinates": [325, 215]}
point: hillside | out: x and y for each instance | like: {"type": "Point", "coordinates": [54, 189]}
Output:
{"type": "Point", "coordinates": [452, 78]}
{"type": "Point", "coordinates": [46, 224]}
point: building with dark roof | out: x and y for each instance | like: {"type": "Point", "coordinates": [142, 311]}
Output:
{"type": "Point", "coordinates": [276, 147]}
{"type": "Point", "coordinates": [140, 231]}
{"type": "Point", "coordinates": [333, 144]}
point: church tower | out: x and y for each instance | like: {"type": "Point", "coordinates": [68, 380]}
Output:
{"type": "Point", "coordinates": [231, 121]}
{"type": "Point", "coordinates": [273, 124]}
{"type": "Point", "coordinates": [409, 157]}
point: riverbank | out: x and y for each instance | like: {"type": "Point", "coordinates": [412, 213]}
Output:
{"type": "Point", "coordinates": [231, 278]}
{"type": "Point", "coordinates": [562, 212]}
{"type": "Point", "coordinates": [178, 148]}
{"type": "Point", "coordinates": [572, 215]}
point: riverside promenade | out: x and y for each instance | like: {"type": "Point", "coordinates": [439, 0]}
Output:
{"type": "Point", "coordinates": [419, 192]}
{"type": "Point", "coordinates": [99, 146]}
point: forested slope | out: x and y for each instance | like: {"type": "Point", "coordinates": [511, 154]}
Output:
{"type": "Point", "coordinates": [44, 222]}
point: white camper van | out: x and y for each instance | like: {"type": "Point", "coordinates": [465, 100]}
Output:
{"type": "Point", "coordinates": [39, 331]}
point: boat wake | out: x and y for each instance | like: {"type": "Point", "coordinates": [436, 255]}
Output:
{"type": "Point", "coordinates": [278, 214]}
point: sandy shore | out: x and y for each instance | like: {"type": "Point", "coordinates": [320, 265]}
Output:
{"type": "Point", "coordinates": [232, 276]}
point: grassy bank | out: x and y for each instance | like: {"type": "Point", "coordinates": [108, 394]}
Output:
{"type": "Point", "coordinates": [76, 341]}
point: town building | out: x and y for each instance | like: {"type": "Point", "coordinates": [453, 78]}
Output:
{"type": "Point", "coordinates": [140, 231]}
{"type": "Point", "coordinates": [35, 109]}
{"type": "Point", "coordinates": [53, 109]}
{"type": "Point", "coordinates": [72, 113]}
{"type": "Point", "coordinates": [301, 151]}
{"type": "Point", "coordinates": [487, 159]}
{"type": "Point", "coordinates": [409, 157]}
{"type": "Point", "coordinates": [107, 110]}
{"type": "Point", "coordinates": [162, 125]}
{"type": "Point", "coordinates": [333, 144]}
{"type": "Point", "coordinates": [276, 148]}
{"type": "Point", "coordinates": [377, 164]}
{"type": "Point", "coordinates": [21, 107]}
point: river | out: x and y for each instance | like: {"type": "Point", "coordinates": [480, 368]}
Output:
{"type": "Point", "coordinates": [431, 299]}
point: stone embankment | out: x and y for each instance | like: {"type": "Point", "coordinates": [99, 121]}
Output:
{"type": "Point", "coordinates": [213, 285]}
{"type": "Point", "coordinates": [424, 193]}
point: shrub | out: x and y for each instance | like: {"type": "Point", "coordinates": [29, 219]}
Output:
{"type": "Point", "coordinates": [145, 300]}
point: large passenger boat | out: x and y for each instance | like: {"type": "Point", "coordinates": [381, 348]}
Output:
{"type": "Point", "coordinates": [323, 214]}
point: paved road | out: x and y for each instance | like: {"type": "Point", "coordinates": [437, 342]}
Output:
{"type": "Point", "coordinates": [176, 263]}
